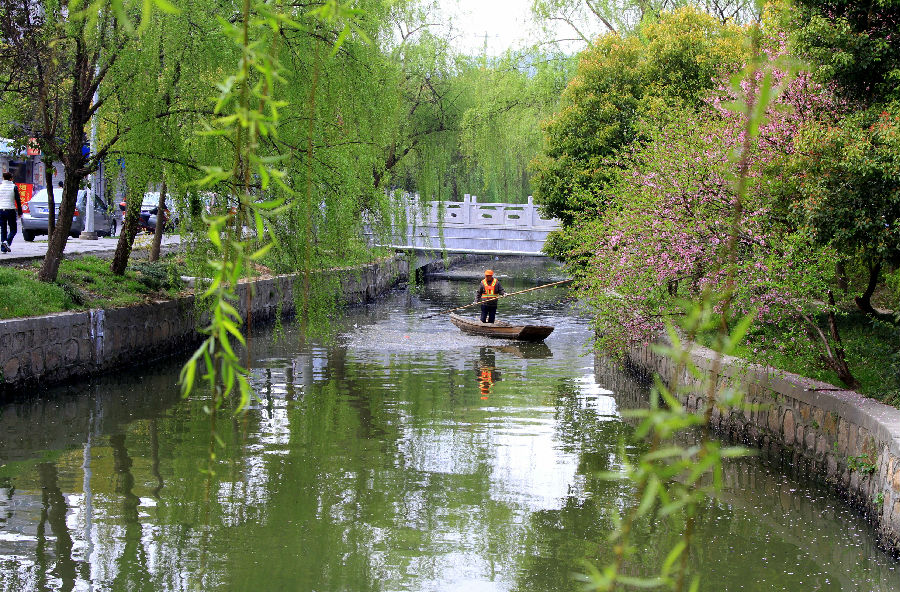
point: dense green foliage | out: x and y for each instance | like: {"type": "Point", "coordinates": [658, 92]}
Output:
{"type": "Point", "coordinates": [847, 181]}
{"type": "Point", "coordinates": [852, 43]}
{"type": "Point", "coordinates": [620, 83]}
{"type": "Point", "coordinates": [639, 166]}
{"type": "Point", "coordinates": [849, 164]}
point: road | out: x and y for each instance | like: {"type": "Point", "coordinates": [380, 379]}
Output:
{"type": "Point", "coordinates": [25, 252]}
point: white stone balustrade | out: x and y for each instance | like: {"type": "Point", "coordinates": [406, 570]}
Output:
{"type": "Point", "coordinates": [469, 226]}
{"type": "Point", "coordinates": [471, 212]}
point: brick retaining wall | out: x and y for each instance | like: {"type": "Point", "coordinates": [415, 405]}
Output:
{"type": "Point", "coordinates": [839, 436]}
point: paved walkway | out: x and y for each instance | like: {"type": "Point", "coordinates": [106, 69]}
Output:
{"type": "Point", "coordinates": [25, 252]}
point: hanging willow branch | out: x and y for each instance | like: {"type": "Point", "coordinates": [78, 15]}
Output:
{"type": "Point", "coordinates": [246, 112]}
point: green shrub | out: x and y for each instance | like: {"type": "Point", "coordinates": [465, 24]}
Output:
{"type": "Point", "coordinates": [158, 276]}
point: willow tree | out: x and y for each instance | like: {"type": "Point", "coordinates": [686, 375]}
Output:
{"type": "Point", "coordinates": [169, 76]}
{"type": "Point", "coordinates": [296, 108]}
{"type": "Point", "coordinates": [419, 155]}
{"type": "Point", "coordinates": [501, 129]}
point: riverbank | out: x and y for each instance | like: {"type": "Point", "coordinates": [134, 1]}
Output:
{"type": "Point", "coordinates": [870, 346]}
{"type": "Point", "coordinates": [54, 348]}
{"type": "Point", "coordinates": [831, 434]}
{"type": "Point", "coordinates": [86, 283]}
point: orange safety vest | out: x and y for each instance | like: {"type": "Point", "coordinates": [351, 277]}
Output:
{"type": "Point", "coordinates": [489, 288]}
{"type": "Point", "coordinates": [485, 381]}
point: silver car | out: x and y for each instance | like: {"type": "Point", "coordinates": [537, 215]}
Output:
{"type": "Point", "coordinates": [36, 211]}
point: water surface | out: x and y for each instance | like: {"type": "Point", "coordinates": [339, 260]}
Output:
{"type": "Point", "coordinates": [402, 456]}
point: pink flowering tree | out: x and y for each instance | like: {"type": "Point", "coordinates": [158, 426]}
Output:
{"type": "Point", "coordinates": [660, 240]}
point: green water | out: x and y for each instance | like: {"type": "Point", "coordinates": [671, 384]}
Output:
{"type": "Point", "coordinates": [403, 456]}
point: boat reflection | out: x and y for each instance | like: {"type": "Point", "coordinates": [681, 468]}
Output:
{"type": "Point", "coordinates": [528, 351]}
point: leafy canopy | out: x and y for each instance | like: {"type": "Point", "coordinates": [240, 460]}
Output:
{"type": "Point", "coordinates": [621, 81]}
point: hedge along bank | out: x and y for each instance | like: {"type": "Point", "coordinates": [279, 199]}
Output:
{"type": "Point", "coordinates": [49, 349]}
{"type": "Point", "coordinates": [848, 440]}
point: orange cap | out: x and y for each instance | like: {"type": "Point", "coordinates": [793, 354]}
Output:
{"type": "Point", "coordinates": [488, 272]}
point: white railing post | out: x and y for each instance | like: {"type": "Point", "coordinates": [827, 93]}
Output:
{"type": "Point", "coordinates": [530, 209]}
{"type": "Point", "coordinates": [465, 215]}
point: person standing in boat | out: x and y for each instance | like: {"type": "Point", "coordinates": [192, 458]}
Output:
{"type": "Point", "coordinates": [488, 291]}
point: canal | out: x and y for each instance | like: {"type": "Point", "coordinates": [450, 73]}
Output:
{"type": "Point", "coordinates": [400, 455]}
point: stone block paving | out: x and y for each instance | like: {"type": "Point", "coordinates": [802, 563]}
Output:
{"type": "Point", "coordinates": [25, 252]}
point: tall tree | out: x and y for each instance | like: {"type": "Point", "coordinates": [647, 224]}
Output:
{"type": "Point", "coordinates": [44, 46]}
{"type": "Point", "coordinates": [589, 19]}
{"type": "Point", "coordinates": [850, 182]}
{"type": "Point", "coordinates": [620, 84]}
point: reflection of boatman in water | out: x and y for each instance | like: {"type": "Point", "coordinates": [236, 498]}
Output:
{"type": "Point", "coordinates": [487, 373]}
{"type": "Point", "coordinates": [487, 293]}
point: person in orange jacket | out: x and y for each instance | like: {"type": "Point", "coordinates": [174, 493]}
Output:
{"type": "Point", "coordinates": [488, 291]}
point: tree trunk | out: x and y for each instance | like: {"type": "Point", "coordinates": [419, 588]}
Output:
{"type": "Point", "coordinates": [841, 272]}
{"type": "Point", "coordinates": [864, 302]}
{"type": "Point", "coordinates": [80, 101]}
{"type": "Point", "coordinates": [57, 242]}
{"type": "Point", "coordinates": [126, 236]}
{"type": "Point", "coordinates": [838, 360]}
{"type": "Point", "coordinates": [160, 223]}
{"type": "Point", "coordinates": [672, 287]}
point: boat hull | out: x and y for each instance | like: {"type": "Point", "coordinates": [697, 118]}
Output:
{"type": "Point", "coordinates": [501, 330]}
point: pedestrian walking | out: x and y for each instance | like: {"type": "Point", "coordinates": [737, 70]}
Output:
{"type": "Point", "coordinates": [10, 209]}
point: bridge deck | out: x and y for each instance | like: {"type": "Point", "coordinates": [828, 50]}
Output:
{"type": "Point", "coordinates": [460, 251]}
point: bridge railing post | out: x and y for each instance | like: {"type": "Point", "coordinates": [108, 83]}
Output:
{"type": "Point", "coordinates": [434, 212]}
{"type": "Point", "coordinates": [529, 212]}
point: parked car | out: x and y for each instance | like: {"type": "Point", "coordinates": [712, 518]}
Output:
{"type": "Point", "coordinates": [37, 210]}
{"type": "Point", "coordinates": [148, 214]}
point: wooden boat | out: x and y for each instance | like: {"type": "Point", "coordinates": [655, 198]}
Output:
{"type": "Point", "coordinates": [502, 330]}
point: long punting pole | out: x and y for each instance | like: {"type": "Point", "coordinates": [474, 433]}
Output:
{"type": "Point", "coordinates": [443, 312]}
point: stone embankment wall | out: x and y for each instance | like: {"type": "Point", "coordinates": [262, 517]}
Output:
{"type": "Point", "coordinates": [836, 435]}
{"type": "Point", "coordinates": [64, 346]}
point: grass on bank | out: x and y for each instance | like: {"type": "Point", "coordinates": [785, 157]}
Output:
{"type": "Point", "coordinates": [83, 284]}
{"type": "Point", "coordinates": [871, 343]}
{"type": "Point", "coordinates": [872, 348]}
{"type": "Point", "coordinates": [87, 282]}
{"type": "Point", "coordinates": [21, 295]}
